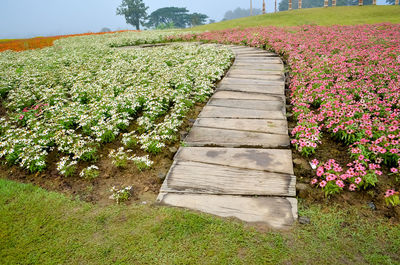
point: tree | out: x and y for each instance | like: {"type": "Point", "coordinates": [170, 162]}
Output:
{"type": "Point", "coordinates": [105, 29]}
{"type": "Point", "coordinates": [135, 11]}
{"type": "Point", "coordinates": [197, 19]}
{"type": "Point", "coordinates": [240, 12]}
{"type": "Point", "coordinates": [177, 16]}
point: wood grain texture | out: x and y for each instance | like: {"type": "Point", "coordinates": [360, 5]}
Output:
{"type": "Point", "coordinates": [277, 212]}
{"type": "Point", "coordinates": [252, 125]}
{"type": "Point", "coordinates": [256, 77]}
{"type": "Point", "coordinates": [244, 81]}
{"type": "Point", "coordinates": [258, 60]}
{"type": "Point", "coordinates": [255, 72]}
{"type": "Point", "coordinates": [236, 113]}
{"type": "Point", "coordinates": [194, 177]}
{"type": "Point", "coordinates": [202, 136]}
{"type": "Point", "coordinates": [247, 95]}
{"type": "Point", "coordinates": [247, 104]}
{"type": "Point", "coordinates": [252, 88]}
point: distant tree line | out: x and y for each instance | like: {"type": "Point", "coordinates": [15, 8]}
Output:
{"type": "Point", "coordinates": [135, 12]}
{"type": "Point", "coordinates": [240, 12]}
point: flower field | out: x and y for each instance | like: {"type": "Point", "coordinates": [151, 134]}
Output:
{"type": "Point", "coordinates": [80, 93]}
{"type": "Point", "coordinates": [41, 42]}
{"type": "Point", "coordinates": [345, 83]}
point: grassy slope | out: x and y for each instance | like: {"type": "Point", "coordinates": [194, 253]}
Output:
{"type": "Point", "coordinates": [320, 16]}
{"type": "Point", "coordinates": [40, 227]}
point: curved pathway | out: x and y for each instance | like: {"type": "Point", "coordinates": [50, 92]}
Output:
{"type": "Point", "coordinates": [237, 162]}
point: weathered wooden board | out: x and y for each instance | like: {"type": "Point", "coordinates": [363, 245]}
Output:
{"type": "Point", "coordinates": [277, 212]}
{"type": "Point", "coordinates": [276, 89]}
{"type": "Point", "coordinates": [243, 81]}
{"type": "Point", "coordinates": [254, 72]}
{"type": "Point", "coordinates": [256, 77]}
{"type": "Point", "coordinates": [257, 67]}
{"type": "Point", "coordinates": [246, 95]}
{"type": "Point", "coordinates": [255, 54]}
{"type": "Point", "coordinates": [203, 136]}
{"type": "Point", "coordinates": [194, 177]}
{"type": "Point", "coordinates": [247, 104]}
{"type": "Point", "coordinates": [272, 60]}
{"type": "Point", "coordinates": [252, 125]}
{"type": "Point", "coordinates": [272, 160]}
{"type": "Point", "coordinates": [265, 66]}
{"type": "Point", "coordinates": [236, 113]}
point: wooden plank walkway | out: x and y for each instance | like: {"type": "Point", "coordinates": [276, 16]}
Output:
{"type": "Point", "coordinates": [236, 161]}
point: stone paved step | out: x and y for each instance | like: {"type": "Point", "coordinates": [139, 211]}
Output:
{"type": "Point", "coordinates": [203, 136]}
{"type": "Point", "coordinates": [251, 125]}
{"type": "Point", "coordinates": [272, 160]}
{"type": "Point", "coordinates": [194, 177]}
{"type": "Point", "coordinates": [277, 212]}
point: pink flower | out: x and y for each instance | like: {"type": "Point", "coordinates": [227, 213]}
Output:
{"type": "Point", "coordinates": [315, 162]}
{"type": "Point", "coordinates": [358, 180]}
{"type": "Point", "coordinates": [340, 183]}
{"type": "Point", "coordinates": [389, 193]}
{"type": "Point", "coordinates": [394, 170]}
{"type": "Point", "coordinates": [352, 187]}
{"type": "Point", "coordinates": [322, 184]}
{"type": "Point", "coordinates": [314, 181]}
{"type": "Point", "coordinates": [21, 117]}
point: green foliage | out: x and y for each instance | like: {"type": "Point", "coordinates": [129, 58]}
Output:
{"type": "Point", "coordinates": [135, 11]}
{"type": "Point", "coordinates": [179, 17]}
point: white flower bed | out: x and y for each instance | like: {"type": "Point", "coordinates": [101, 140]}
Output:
{"type": "Point", "coordinates": [80, 93]}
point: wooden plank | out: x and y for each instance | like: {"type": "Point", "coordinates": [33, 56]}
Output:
{"type": "Point", "coordinates": [236, 113]}
{"type": "Point", "coordinates": [266, 66]}
{"type": "Point", "coordinates": [277, 212]}
{"type": "Point", "coordinates": [272, 160]}
{"type": "Point", "coordinates": [247, 104]}
{"type": "Point", "coordinates": [194, 177]}
{"type": "Point", "coordinates": [257, 67]}
{"type": "Point", "coordinates": [276, 89]}
{"type": "Point", "coordinates": [255, 54]}
{"type": "Point", "coordinates": [242, 81]}
{"type": "Point", "coordinates": [272, 60]}
{"type": "Point", "coordinates": [246, 95]}
{"type": "Point", "coordinates": [254, 72]}
{"type": "Point", "coordinates": [252, 125]}
{"type": "Point", "coordinates": [256, 77]}
{"type": "Point", "coordinates": [203, 136]}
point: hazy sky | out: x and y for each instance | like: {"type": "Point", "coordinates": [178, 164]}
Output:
{"type": "Point", "coordinates": [29, 18]}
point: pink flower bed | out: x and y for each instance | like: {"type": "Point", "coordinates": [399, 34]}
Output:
{"type": "Point", "coordinates": [345, 82]}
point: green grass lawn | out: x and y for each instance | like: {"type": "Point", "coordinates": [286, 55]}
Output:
{"type": "Point", "coordinates": [40, 227]}
{"type": "Point", "coordinates": [344, 15]}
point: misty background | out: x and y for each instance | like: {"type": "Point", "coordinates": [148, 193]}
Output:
{"type": "Point", "coordinates": [27, 18]}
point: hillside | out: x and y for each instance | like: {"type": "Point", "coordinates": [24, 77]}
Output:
{"type": "Point", "coordinates": [344, 15]}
